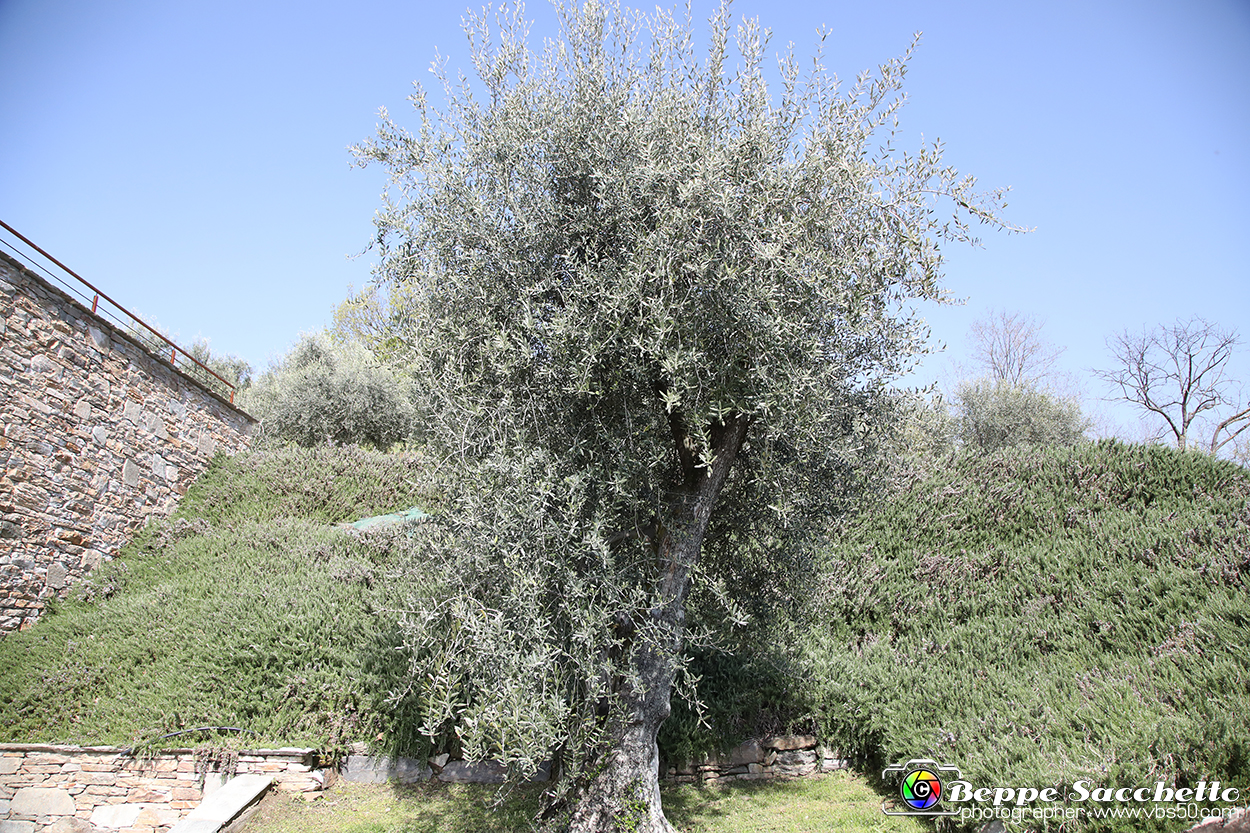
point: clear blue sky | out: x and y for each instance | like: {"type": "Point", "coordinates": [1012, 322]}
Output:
{"type": "Point", "coordinates": [190, 158]}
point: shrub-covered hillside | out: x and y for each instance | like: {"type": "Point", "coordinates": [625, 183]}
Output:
{"type": "Point", "coordinates": [1042, 616]}
{"type": "Point", "coordinates": [247, 608]}
{"type": "Point", "coordinates": [1038, 615]}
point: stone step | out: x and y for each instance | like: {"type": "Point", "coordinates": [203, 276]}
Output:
{"type": "Point", "coordinates": [224, 805]}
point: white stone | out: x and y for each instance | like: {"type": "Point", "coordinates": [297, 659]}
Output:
{"type": "Point", "coordinates": [115, 816]}
{"type": "Point", "coordinates": [213, 781]}
{"type": "Point", "coordinates": [69, 824]}
{"type": "Point", "coordinates": [746, 753]}
{"type": "Point", "coordinates": [17, 827]}
{"type": "Point", "coordinates": [791, 742]}
{"type": "Point", "coordinates": [41, 801]}
{"type": "Point", "coordinates": [57, 575]}
{"type": "Point", "coordinates": [375, 769]}
{"type": "Point", "coordinates": [156, 815]}
{"type": "Point", "coordinates": [207, 445]}
{"type": "Point", "coordinates": [155, 424]}
{"type": "Point", "coordinates": [463, 772]}
{"type": "Point", "coordinates": [225, 803]}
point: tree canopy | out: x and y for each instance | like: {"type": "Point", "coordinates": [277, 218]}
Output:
{"type": "Point", "coordinates": [1009, 348]}
{"type": "Point", "coordinates": [995, 414]}
{"type": "Point", "coordinates": [336, 392]}
{"type": "Point", "coordinates": [656, 303]}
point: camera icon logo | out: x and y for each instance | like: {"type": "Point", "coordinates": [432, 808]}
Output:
{"type": "Point", "coordinates": [920, 788]}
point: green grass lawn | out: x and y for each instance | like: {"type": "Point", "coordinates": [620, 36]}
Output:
{"type": "Point", "coordinates": [836, 803]}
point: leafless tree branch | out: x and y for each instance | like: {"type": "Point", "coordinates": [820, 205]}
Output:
{"type": "Point", "coordinates": [1180, 372]}
{"type": "Point", "coordinates": [1010, 347]}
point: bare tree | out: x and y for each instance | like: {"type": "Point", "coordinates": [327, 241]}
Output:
{"type": "Point", "coordinates": [1180, 372]}
{"type": "Point", "coordinates": [1010, 347]}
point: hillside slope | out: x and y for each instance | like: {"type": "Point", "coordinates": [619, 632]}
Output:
{"type": "Point", "coordinates": [247, 608]}
{"type": "Point", "coordinates": [1030, 617]}
{"type": "Point", "coordinates": [1035, 617]}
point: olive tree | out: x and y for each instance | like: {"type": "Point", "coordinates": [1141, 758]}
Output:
{"type": "Point", "coordinates": [654, 300]}
{"type": "Point", "coordinates": [995, 414]}
{"type": "Point", "coordinates": [326, 391]}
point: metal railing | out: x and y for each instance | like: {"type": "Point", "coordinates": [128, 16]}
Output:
{"type": "Point", "coordinates": [154, 341]}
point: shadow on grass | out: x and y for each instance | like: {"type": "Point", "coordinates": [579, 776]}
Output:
{"type": "Point", "coordinates": [834, 803]}
{"type": "Point", "coordinates": [840, 801]}
{"type": "Point", "coordinates": [466, 808]}
{"type": "Point", "coordinates": [392, 808]}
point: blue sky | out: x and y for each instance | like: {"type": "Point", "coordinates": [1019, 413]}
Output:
{"type": "Point", "coordinates": [190, 158]}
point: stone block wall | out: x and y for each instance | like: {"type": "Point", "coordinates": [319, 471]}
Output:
{"type": "Point", "coordinates": [98, 434]}
{"type": "Point", "coordinates": [789, 756]}
{"type": "Point", "coordinates": [785, 756]}
{"type": "Point", "coordinates": [73, 788]}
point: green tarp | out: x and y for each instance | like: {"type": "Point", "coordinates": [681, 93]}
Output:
{"type": "Point", "coordinates": [381, 521]}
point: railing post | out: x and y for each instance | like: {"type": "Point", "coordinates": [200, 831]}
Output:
{"type": "Point", "coordinates": [95, 302]}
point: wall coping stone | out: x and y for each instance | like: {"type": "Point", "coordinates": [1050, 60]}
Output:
{"type": "Point", "coordinates": [125, 751]}
{"type": "Point", "coordinates": [114, 331]}
{"type": "Point", "coordinates": [220, 808]}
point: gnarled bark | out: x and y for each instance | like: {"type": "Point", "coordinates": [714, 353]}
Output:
{"type": "Point", "coordinates": [625, 792]}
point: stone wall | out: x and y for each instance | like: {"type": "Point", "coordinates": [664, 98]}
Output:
{"type": "Point", "coordinates": [72, 788]}
{"type": "Point", "coordinates": [789, 756]}
{"type": "Point", "coordinates": [98, 434]}
{"type": "Point", "coordinates": [784, 756]}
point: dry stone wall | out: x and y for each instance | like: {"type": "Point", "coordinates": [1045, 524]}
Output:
{"type": "Point", "coordinates": [785, 756]}
{"type": "Point", "coordinates": [780, 756]}
{"type": "Point", "coordinates": [73, 788]}
{"type": "Point", "coordinates": [98, 434]}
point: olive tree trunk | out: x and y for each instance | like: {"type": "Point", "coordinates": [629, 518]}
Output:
{"type": "Point", "coordinates": [625, 792]}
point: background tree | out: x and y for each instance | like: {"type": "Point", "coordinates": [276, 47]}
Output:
{"type": "Point", "coordinates": [642, 290]}
{"type": "Point", "coordinates": [373, 318]}
{"type": "Point", "coordinates": [1014, 402]}
{"type": "Point", "coordinates": [1010, 348]}
{"type": "Point", "coordinates": [1180, 373]}
{"type": "Point", "coordinates": [324, 391]}
{"type": "Point", "coordinates": [995, 414]}
{"type": "Point", "coordinates": [233, 369]}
